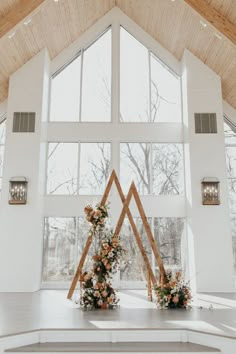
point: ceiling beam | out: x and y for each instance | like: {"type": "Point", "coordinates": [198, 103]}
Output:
{"type": "Point", "coordinates": [22, 9]}
{"type": "Point", "coordinates": [221, 23]}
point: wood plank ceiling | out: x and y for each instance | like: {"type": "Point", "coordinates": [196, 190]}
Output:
{"type": "Point", "coordinates": [174, 24]}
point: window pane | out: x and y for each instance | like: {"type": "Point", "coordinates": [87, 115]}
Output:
{"type": "Point", "coordinates": [62, 168]}
{"type": "Point", "coordinates": [83, 230]}
{"type": "Point", "coordinates": [96, 86]}
{"type": "Point", "coordinates": [2, 132]}
{"type": "Point", "coordinates": [165, 93]}
{"type": "Point", "coordinates": [232, 195]}
{"type": "Point", "coordinates": [231, 161]}
{"type": "Point", "coordinates": [59, 249]}
{"type": "Point", "coordinates": [135, 166]}
{"type": "Point", "coordinates": [132, 266]}
{"type": "Point", "coordinates": [95, 160]}
{"type": "Point", "coordinates": [65, 93]}
{"type": "Point", "coordinates": [167, 163]}
{"type": "Point", "coordinates": [134, 80]}
{"type": "Point", "coordinates": [168, 233]}
{"type": "Point", "coordinates": [233, 232]}
{"type": "Point", "coordinates": [230, 135]}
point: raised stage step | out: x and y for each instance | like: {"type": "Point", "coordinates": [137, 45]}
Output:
{"type": "Point", "coordinates": [121, 347]}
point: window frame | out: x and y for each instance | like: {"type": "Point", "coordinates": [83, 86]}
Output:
{"type": "Point", "coordinates": [230, 124]}
{"type": "Point", "coordinates": [117, 131]}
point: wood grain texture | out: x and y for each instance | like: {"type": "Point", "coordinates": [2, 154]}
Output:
{"type": "Point", "coordinates": [219, 21]}
{"type": "Point", "coordinates": [175, 25]}
{"type": "Point", "coordinates": [16, 14]}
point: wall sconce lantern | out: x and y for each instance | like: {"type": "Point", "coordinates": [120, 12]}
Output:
{"type": "Point", "coordinates": [210, 191]}
{"type": "Point", "coordinates": [18, 190]}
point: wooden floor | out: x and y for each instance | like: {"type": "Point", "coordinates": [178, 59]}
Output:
{"type": "Point", "coordinates": [49, 309]}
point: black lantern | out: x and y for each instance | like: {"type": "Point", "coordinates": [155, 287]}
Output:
{"type": "Point", "coordinates": [18, 190]}
{"type": "Point", "coordinates": [210, 191]}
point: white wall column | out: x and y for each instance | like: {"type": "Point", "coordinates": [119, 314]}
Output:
{"type": "Point", "coordinates": [211, 261]}
{"type": "Point", "coordinates": [21, 226]}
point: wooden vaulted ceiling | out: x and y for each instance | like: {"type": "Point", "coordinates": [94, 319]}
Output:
{"type": "Point", "coordinates": [173, 23]}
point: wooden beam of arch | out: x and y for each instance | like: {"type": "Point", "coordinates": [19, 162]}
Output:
{"type": "Point", "coordinates": [125, 211]}
{"type": "Point", "coordinates": [22, 9]}
{"type": "Point", "coordinates": [220, 22]}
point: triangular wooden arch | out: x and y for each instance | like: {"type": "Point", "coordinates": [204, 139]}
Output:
{"type": "Point", "coordinates": [125, 211]}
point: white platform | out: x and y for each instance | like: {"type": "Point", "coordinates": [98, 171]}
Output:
{"type": "Point", "coordinates": [48, 317]}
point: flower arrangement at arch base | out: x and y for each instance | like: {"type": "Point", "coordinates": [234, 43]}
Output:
{"type": "Point", "coordinates": [96, 288]}
{"type": "Point", "coordinates": [175, 293]}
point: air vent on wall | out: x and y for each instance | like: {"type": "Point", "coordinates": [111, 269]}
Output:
{"type": "Point", "coordinates": [205, 123]}
{"type": "Point", "coordinates": [23, 122]}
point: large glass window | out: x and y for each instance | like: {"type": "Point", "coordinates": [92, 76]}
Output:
{"type": "Point", "coordinates": [155, 168]}
{"type": "Point", "coordinates": [168, 234]}
{"type": "Point", "coordinates": [149, 90]}
{"type": "Point", "coordinates": [134, 79]}
{"type": "Point", "coordinates": [89, 90]}
{"type": "Point", "coordinates": [82, 90]}
{"type": "Point", "coordinates": [165, 93]}
{"type": "Point", "coordinates": [65, 238]}
{"type": "Point", "coordinates": [96, 83]}
{"type": "Point", "coordinates": [167, 165]}
{"type": "Point", "coordinates": [95, 159]}
{"type": "Point", "coordinates": [64, 162]}
{"type": "Point", "coordinates": [65, 93]}
{"type": "Point", "coordinates": [230, 150]}
{"type": "Point", "coordinates": [59, 249]}
{"type": "Point", "coordinates": [62, 175]}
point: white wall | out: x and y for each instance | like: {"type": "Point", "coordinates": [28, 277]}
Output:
{"type": "Point", "coordinates": [21, 225]}
{"type": "Point", "coordinates": [209, 226]}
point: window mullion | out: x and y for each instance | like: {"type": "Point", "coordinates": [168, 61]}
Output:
{"type": "Point", "coordinates": [150, 86]}
{"type": "Point", "coordinates": [81, 84]}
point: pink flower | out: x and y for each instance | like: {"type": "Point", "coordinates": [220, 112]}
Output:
{"type": "Point", "coordinates": [176, 299]}
{"type": "Point", "coordinates": [104, 293]}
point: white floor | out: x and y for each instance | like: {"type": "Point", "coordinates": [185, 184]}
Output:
{"type": "Point", "coordinates": [49, 309]}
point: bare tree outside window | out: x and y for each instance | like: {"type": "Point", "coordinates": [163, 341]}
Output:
{"type": "Point", "coordinates": [132, 266]}
{"type": "Point", "coordinates": [59, 249]}
{"type": "Point", "coordinates": [135, 166]}
{"type": "Point", "coordinates": [161, 176]}
{"type": "Point", "coordinates": [168, 233]}
{"type": "Point", "coordinates": [62, 170]}
{"type": "Point", "coordinates": [149, 92]}
{"type": "Point", "coordinates": [95, 161]}
{"type": "Point", "coordinates": [230, 150]}
{"type": "Point", "coordinates": [167, 166]}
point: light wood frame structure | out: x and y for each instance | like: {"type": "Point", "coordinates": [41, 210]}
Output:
{"type": "Point", "coordinates": [126, 211]}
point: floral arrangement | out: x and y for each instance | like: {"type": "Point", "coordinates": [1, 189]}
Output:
{"type": "Point", "coordinates": [97, 292]}
{"type": "Point", "coordinates": [96, 216]}
{"type": "Point", "coordinates": [96, 289]}
{"type": "Point", "coordinates": [175, 293]}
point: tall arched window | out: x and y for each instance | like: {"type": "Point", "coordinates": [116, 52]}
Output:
{"type": "Point", "coordinates": [96, 128]}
